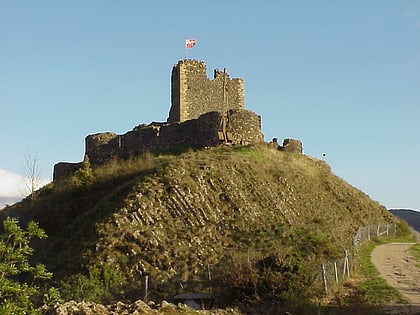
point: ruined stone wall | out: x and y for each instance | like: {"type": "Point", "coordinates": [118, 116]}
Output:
{"type": "Point", "coordinates": [292, 145]}
{"type": "Point", "coordinates": [244, 127]}
{"type": "Point", "coordinates": [65, 169]}
{"type": "Point", "coordinates": [193, 94]}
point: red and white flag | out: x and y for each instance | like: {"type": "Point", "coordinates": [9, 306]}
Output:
{"type": "Point", "coordinates": [190, 43]}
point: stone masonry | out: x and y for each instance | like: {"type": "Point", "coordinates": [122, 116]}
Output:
{"type": "Point", "coordinates": [193, 94]}
{"type": "Point", "coordinates": [203, 113]}
{"type": "Point", "coordinates": [244, 128]}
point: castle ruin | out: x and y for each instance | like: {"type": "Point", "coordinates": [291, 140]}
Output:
{"type": "Point", "coordinates": [193, 94]}
{"type": "Point", "coordinates": [204, 112]}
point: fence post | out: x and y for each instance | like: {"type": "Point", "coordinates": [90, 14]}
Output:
{"type": "Point", "coordinates": [335, 272]}
{"type": "Point", "coordinates": [146, 289]}
{"type": "Point", "coordinates": [324, 278]}
{"type": "Point", "coordinates": [346, 265]}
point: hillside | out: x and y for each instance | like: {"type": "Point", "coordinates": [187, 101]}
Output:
{"type": "Point", "coordinates": [176, 218]}
{"type": "Point", "coordinates": [410, 216]}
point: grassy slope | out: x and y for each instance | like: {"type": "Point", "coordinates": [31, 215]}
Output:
{"type": "Point", "coordinates": [173, 216]}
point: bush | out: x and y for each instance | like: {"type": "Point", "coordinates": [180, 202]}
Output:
{"type": "Point", "coordinates": [83, 176]}
{"type": "Point", "coordinates": [275, 278]}
{"type": "Point", "coordinates": [80, 287]}
{"type": "Point", "coordinates": [100, 286]}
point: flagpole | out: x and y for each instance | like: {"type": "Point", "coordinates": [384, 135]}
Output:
{"type": "Point", "coordinates": [185, 46]}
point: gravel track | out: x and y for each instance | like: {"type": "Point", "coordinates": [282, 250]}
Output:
{"type": "Point", "coordinates": [396, 265]}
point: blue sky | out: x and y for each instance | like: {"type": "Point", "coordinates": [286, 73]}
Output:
{"type": "Point", "coordinates": [342, 76]}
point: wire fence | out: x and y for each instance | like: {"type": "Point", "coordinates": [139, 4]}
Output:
{"type": "Point", "coordinates": [372, 232]}
{"type": "Point", "coordinates": [332, 273]}
{"type": "Point", "coordinates": [416, 235]}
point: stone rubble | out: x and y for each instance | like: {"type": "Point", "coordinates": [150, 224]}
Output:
{"type": "Point", "coordinates": [136, 308]}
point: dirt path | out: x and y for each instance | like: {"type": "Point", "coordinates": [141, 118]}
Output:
{"type": "Point", "coordinates": [397, 267]}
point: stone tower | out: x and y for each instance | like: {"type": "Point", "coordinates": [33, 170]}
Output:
{"type": "Point", "coordinates": [193, 94]}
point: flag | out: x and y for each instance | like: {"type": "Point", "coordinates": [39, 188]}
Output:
{"type": "Point", "coordinates": [190, 43]}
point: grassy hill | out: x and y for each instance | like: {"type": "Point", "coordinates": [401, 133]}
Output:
{"type": "Point", "coordinates": [181, 218]}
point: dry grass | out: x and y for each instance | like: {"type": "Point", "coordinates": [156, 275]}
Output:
{"type": "Point", "coordinates": [172, 216]}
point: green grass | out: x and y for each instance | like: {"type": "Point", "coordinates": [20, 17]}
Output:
{"type": "Point", "coordinates": [373, 289]}
{"type": "Point", "coordinates": [368, 290]}
{"type": "Point", "coordinates": [415, 251]}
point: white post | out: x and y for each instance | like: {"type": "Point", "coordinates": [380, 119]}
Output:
{"type": "Point", "coordinates": [346, 269]}
{"type": "Point", "coordinates": [335, 271]}
{"type": "Point", "coordinates": [345, 265]}
{"type": "Point", "coordinates": [324, 278]}
{"type": "Point", "coordinates": [146, 289]}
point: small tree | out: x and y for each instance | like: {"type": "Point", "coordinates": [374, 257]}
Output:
{"type": "Point", "coordinates": [32, 174]}
{"type": "Point", "coordinates": [83, 177]}
{"type": "Point", "coordinates": [18, 277]}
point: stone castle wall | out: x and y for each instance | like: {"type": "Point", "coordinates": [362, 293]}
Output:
{"type": "Point", "coordinates": [65, 169]}
{"type": "Point", "coordinates": [242, 126]}
{"type": "Point", "coordinates": [202, 132]}
{"type": "Point", "coordinates": [193, 94]}
{"type": "Point", "coordinates": [291, 145]}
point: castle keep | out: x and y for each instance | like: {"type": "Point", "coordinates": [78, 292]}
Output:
{"type": "Point", "coordinates": [204, 112]}
{"type": "Point", "coordinates": [193, 94]}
